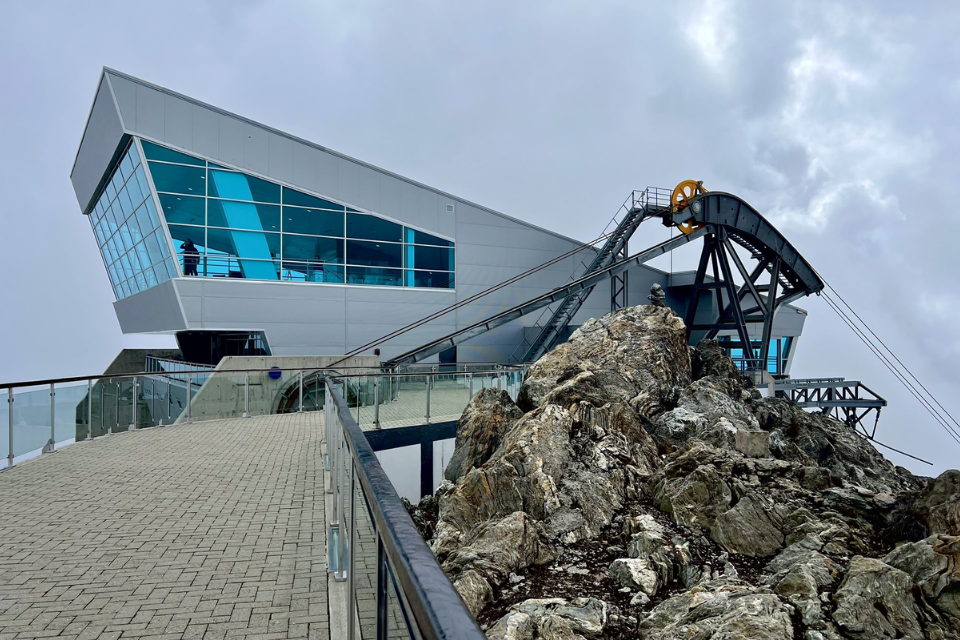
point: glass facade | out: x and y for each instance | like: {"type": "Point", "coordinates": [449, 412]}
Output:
{"type": "Point", "coordinates": [127, 227]}
{"type": "Point", "coordinates": [777, 354]}
{"type": "Point", "coordinates": [228, 224]}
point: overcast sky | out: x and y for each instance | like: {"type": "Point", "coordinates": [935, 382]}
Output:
{"type": "Point", "coordinates": [835, 120]}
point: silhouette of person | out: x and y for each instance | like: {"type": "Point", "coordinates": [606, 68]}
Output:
{"type": "Point", "coordinates": [191, 258]}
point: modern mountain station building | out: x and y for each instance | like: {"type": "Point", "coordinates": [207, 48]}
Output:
{"type": "Point", "coordinates": [239, 239]}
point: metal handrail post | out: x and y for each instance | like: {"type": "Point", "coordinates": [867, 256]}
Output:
{"type": "Point", "coordinates": [168, 398]}
{"type": "Point", "coordinates": [103, 412]}
{"type": "Point", "coordinates": [301, 392]}
{"type": "Point", "coordinates": [89, 410]}
{"type": "Point", "coordinates": [189, 394]}
{"type": "Point", "coordinates": [428, 399]}
{"type": "Point", "coordinates": [51, 445]}
{"type": "Point", "coordinates": [117, 416]}
{"type": "Point", "coordinates": [470, 376]}
{"type": "Point", "coordinates": [376, 402]}
{"type": "Point", "coordinates": [335, 480]}
{"type": "Point", "coordinates": [9, 427]}
{"type": "Point", "coordinates": [133, 404]}
{"type": "Point", "coordinates": [351, 572]}
{"type": "Point", "coordinates": [246, 395]}
{"type": "Point", "coordinates": [342, 560]}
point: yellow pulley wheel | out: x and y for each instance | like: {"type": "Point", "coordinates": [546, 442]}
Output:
{"type": "Point", "coordinates": [682, 195]}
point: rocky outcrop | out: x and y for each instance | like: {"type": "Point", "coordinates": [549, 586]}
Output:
{"type": "Point", "coordinates": [552, 619]}
{"type": "Point", "coordinates": [721, 609]}
{"type": "Point", "coordinates": [480, 430]}
{"type": "Point", "coordinates": [938, 504]}
{"type": "Point", "coordinates": [640, 488]}
{"type": "Point", "coordinates": [875, 600]}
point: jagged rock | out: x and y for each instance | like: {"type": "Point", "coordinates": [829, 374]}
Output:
{"type": "Point", "coordinates": [738, 474]}
{"type": "Point", "coordinates": [496, 550]}
{"type": "Point", "coordinates": [552, 619]}
{"type": "Point", "coordinates": [814, 439]}
{"type": "Point", "coordinates": [799, 573]}
{"type": "Point", "coordinates": [639, 354]}
{"type": "Point", "coordinates": [815, 478]}
{"type": "Point", "coordinates": [691, 489]}
{"type": "Point", "coordinates": [635, 573]}
{"type": "Point", "coordinates": [488, 416]}
{"type": "Point", "coordinates": [719, 610]}
{"type": "Point", "coordinates": [934, 566]}
{"type": "Point", "coordinates": [753, 527]}
{"type": "Point", "coordinates": [709, 359]}
{"type": "Point", "coordinates": [875, 601]}
{"type": "Point", "coordinates": [696, 500]}
{"type": "Point", "coordinates": [755, 444]}
{"type": "Point", "coordinates": [939, 504]}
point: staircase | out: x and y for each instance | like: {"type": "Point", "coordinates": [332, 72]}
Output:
{"type": "Point", "coordinates": [640, 206]}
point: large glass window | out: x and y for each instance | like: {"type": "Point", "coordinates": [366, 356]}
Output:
{"type": "Point", "coordinates": [127, 228]}
{"type": "Point", "coordinates": [227, 224]}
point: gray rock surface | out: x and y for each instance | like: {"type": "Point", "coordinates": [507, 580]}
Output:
{"type": "Point", "coordinates": [552, 619]}
{"type": "Point", "coordinates": [480, 430]}
{"type": "Point", "coordinates": [656, 479]}
{"type": "Point", "coordinates": [875, 601]}
{"type": "Point", "coordinates": [939, 504]}
{"type": "Point", "coordinates": [719, 610]}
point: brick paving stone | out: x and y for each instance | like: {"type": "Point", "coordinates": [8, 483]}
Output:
{"type": "Point", "coordinates": [199, 531]}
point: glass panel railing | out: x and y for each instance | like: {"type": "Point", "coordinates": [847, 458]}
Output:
{"type": "Point", "coordinates": [31, 420]}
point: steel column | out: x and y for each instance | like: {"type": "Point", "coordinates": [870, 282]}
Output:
{"type": "Point", "coordinates": [51, 445]}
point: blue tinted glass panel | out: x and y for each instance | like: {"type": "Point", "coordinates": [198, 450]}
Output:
{"type": "Point", "coordinates": [419, 237]}
{"type": "Point", "coordinates": [133, 189]}
{"type": "Point", "coordinates": [135, 234]}
{"type": "Point", "coordinates": [142, 255]}
{"type": "Point", "coordinates": [238, 186]}
{"type": "Point", "coordinates": [111, 192]}
{"type": "Point", "coordinates": [431, 279]}
{"type": "Point", "coordinates": [126, 206]}
{"type": "Point", "coordinates": [299, 199]}
{"type": "Point", "coordinates": [312, 272]}
{"type": "Point", "coordinates": [314, 222]}
{"type": "Point", "coordinates": [369, 276]}
{"type": "Point", "coordinates": [156, 152]}
{"type": "Point", "coordinates": [134, 155]}
{"type": "Point", "coordinates": [152, 212]}
{"type": "Point", "coordinates": [153, 249]}
{"type": "Point", "coordinates": [141, 179]}
{"type": "Point", "coordinates": [244, 244]}
{"type": "Point", "coordinates": [126, 167]}
{"type": "Point", "coordinates": [375, 254]}
{"type": "Point", "coordinates": [432, 258]}
{"type": "Point", "coordinates": [182, 209]}
{"type": "Point", "coordinates": [180, 234]}
{"type": "Point", "coordinates": [243, 215]}
{"type": "Point", "coordinates": [175, 178]}
{"type": "Point", "coordinates": [372, 228]}
{"type": "Point", "coordinates": [311, 249]}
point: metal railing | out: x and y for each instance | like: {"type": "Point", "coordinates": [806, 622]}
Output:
{"type": "Point", "coordinates": [395, 587]}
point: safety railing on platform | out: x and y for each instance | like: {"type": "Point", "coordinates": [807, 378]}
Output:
{"type": "Point", "coordinates": [44, 415]}
{"type": "Point", "coordinates": [395, 587]}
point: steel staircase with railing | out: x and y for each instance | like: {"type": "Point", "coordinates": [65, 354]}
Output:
{"type": "Point", "coordinates": [642, 205]}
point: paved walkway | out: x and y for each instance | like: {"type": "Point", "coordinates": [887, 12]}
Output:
{"type": "Point", "coordinates": [209, 530]}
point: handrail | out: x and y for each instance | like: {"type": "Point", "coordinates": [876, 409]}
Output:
{"type": "Point", "coordinates": [436, 606]}
{"type": "Point", "coordinates": [372, 370]}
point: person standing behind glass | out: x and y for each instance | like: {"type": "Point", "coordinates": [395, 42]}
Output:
{"type": "Point", "coordinates": [191, 258]}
